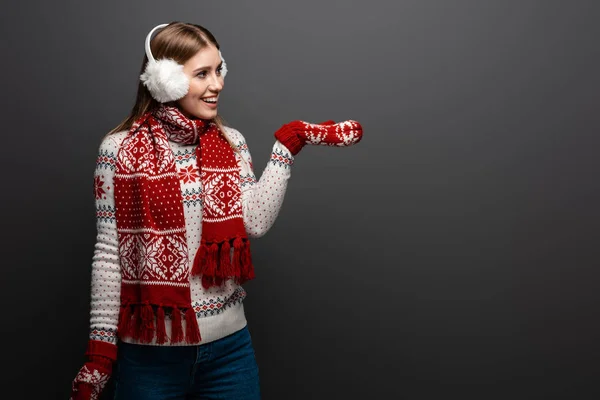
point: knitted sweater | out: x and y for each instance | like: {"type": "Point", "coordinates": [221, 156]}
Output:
{"type": "Point", "coordinates": [219, 310]}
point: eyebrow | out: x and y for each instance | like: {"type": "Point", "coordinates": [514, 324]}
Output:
{"type": "Point", "coordinates": [207, 67]}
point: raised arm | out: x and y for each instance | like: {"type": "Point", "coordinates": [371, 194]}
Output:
{"type": "Point", "coordinates": [262, 198]}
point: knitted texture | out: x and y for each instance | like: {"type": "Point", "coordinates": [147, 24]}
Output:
{"type": "Point", "coordinates": [219, 310]}
{"type": "Point", "coordinates": [151, 224]}
{"type": "Point", "coordinates": [294, 135]}
{"type": "Point", "coordinates": [89, 382]}
{"type": "Point", "coordinates": [95, 373]}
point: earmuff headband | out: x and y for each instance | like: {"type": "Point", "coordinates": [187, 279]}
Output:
{"type": "Point", "coordinates": [165, 78]}
{"type": "Point", "coordinates": [149, 39]}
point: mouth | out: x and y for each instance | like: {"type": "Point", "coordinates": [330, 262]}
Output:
{"type": "Point", "coordinates": [211, 101]}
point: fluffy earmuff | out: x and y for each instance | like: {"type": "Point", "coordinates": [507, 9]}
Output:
{"type": "Point", "coordinates": [165, 78]}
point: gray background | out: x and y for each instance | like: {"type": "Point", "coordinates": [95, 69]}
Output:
{"type": "Point", "coordinates": [453, 253]}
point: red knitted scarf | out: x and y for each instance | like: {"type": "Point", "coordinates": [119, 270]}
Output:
{"type": "Point", "coordinates": [153, 250]}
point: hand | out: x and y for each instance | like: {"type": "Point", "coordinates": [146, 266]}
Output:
{"type": "Point", "coordinates": [296, 134]}
{"type": "Point", "coordinates": [91, 379]}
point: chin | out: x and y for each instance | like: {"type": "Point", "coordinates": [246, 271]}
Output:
{"type": "Point", "coordinates": [205, 115]}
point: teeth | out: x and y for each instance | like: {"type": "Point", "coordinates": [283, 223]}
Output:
{"type": "Point", "coordinates": [210, 100]}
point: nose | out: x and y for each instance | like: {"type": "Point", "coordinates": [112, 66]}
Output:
{"type": "Point", "coordinates": [216, 83]}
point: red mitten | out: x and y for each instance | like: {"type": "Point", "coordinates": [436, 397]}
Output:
{"type": "Point", "coordinates": [93, 376]}
{"type": "Point", "coordinates": [296, 134]}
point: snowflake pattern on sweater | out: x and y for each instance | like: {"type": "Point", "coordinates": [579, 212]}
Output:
{"type": "Point", "coordinates": [219, 310]}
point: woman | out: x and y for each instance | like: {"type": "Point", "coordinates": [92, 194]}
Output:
{"type": "Point", "coordinates": [177, 201]}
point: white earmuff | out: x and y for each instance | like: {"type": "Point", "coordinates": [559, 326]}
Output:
{"type": "Point", "coordinates": [165, 78]}
{"type": "Point", "coordinates": [223, 66]}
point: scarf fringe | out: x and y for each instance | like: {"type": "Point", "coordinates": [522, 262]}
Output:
{"type": "Point", "coordinates": [238, 245]}
{"type": "Point", "coordinates": [192, 333]}
{"type": "Point", "coordinates": [214, 262]}
{"type": "Point", "coordinates": [134, 324]}
{"type": "Point", "coordinates": [142, 315]}
{"type": "Point", "coordinates": [147, 328]}
{"type": "Point", "coordinates": [161, 330]}
{"type": "Point", "coordinates": [144, 321]}
{"type": "Point", "coordinates": [176, 328]}
{"type": "Point", "coordinates": [247, 267]}
{"type": "Point", "coordinates": [124, 319]}
{"type": "Point", "coordinates": [225, 261]}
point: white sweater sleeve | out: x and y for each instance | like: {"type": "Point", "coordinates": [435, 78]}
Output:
{"type": "Point", "coordinates": [106, 271]}
{"type": "Point", "coordinates": [262, 198]}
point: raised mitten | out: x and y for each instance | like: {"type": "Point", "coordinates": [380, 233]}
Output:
{"type": "Point", "coordinates": [296, 134]}
{"type": "Point", "coordinates": [93, 376]}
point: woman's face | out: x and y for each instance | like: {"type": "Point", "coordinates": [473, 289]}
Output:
{"type": "Point", "coordinates": [206, 82]}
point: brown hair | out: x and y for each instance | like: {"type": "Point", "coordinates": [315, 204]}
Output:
{"type": "Point", "coordinates": [179, 41]}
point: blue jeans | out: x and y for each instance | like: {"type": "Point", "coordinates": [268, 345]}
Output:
{"type": "Point", "coordinates": [225, 369]}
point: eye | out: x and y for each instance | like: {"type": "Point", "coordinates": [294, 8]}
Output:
{"type": "Point", "coordinates": [201, 74]}
{"type": "Point", "coordinates": [220, 69]}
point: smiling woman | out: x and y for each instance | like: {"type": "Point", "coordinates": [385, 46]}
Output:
{"type": "Point", "coordinates": [206, 82]}
{"type": "Point", "coordinates": [177, 201]}
{"type": "Point", "coordinates": [195, 52]}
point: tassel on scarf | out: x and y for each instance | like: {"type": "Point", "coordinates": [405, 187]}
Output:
{"type": "Point", "coordinates": [250, 274]}
{"type": "Point", "coordinates": [176, 328]}
{"type": "Point", "coordinates": [247, 267]}
{"type": "Point", "coordinates": [211, 260]}
{"type": "Point", "coordinates": [161, 331]}
{"type": "Point", "coordinates": [207, 282]}
{"type": "Point", "coordinates": [134, 324]}
{"type": "Point", "coordinates": [147, 324]}
{"type": "Point", "coordinates": [216, 264]}
{"type": "Point", "coordinates": [222, 227]}
{"type": "Point", "coordinates": [225, 267]}
{"type": "Point", "coordinates": [209, 268]}
{"type": "Point", "coordinates": [238, 245]}
{"type": "Point", "coordinates": [192, 332]}
{"type": "Point", "coordinates": [199, 259]}
{"type": "Point", "coordinates": [124, 320]}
